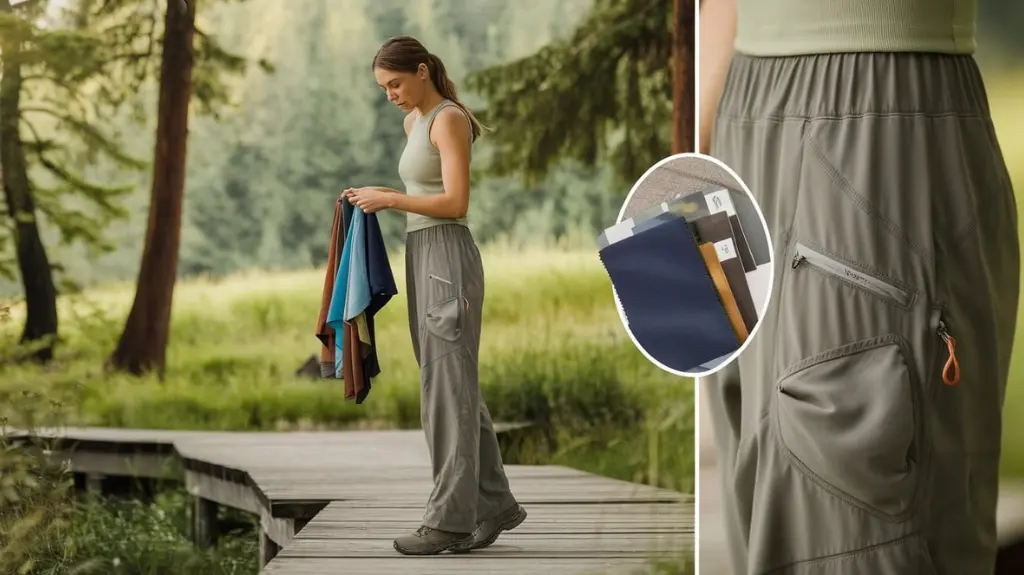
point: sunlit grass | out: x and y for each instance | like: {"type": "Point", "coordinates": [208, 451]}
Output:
{"type": "Point", "coordinates": [1005, 96]}
{"type": "Point", "coordinates": [553, 350]}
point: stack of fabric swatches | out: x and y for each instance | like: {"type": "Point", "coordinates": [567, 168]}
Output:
{"type": "Point", "coordinates": [679, 271]}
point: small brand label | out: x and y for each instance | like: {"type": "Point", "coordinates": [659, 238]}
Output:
{"type": "Point", "coordinates": [720, 202]}
{"type": "Point", "coordinates": [726, 249]}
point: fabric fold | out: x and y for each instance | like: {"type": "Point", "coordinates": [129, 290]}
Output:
{"type": "Point", "coordinates": [358, 283]}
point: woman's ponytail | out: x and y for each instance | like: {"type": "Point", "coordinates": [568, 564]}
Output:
{"type": "Point", "coordinates": [445, 87]}
{"type": "Point", "coordinates": [406, 54]}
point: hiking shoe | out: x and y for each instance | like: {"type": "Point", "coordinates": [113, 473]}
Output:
{"type": "Point", "coordinates": [428, 541]}
{"type": "Point", "coordinates": [487, 531]}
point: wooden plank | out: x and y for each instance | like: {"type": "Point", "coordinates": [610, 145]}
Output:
{"type": "Point", "coordinates": [551, 490]}
{"type": "Point", "coordinates": [153, 465]}
{"type": "Point", "coordinates": [339, 508]}
{"type": "Point", "coordinates": [117, 434]}
{"type": "Point", "coordinates": [352, 531]}
{"type": "Point", "coordinates": [386, 511]}
{"type": "Point", "coordinates": [472, 564]}
{"type": "Point", "coordinates": [204, 522]}
{"type": "Point", "coordinates": [423, 473]}
{"type": "Point", "coordinates": [610, 545]}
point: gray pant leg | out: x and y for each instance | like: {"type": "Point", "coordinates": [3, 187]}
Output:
{"type": "Point", "coordinates": [469, 482]}
{"type": "Point", "coordinates": [890, 210]}
{"type": "Point", "coordinates": [721, 393]}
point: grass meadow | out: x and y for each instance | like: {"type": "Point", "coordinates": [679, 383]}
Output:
{"type": "Point", "coordinates": [553, 352]}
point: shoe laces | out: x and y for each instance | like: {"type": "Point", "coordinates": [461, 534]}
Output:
{"type": "Point", "coordinates": [423, 531]}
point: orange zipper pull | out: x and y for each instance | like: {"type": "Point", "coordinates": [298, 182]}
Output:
{"type": "Point", "coordinates": [950, 371]}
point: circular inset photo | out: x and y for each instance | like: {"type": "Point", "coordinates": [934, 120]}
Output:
{"type": "Point", "coordinates": [690, 261]}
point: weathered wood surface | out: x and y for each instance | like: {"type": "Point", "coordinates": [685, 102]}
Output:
{"type": "Point", "coordinates": [334, 502]}
{"type": "Point", "coordinates": [352, 537]}
{"type": "Point", "coordinates": [473, 564]}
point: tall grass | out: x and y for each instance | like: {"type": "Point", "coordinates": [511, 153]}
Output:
{"type": "Point", "coordinates": [1005, 95]}
{"type": "Point", "coordinates": [553, 352]}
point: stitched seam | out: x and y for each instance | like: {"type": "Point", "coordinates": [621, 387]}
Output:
{"type": "Point", "coordinates": [902, 540]}
{"type": "Point", "coordinates": [844, 186]}
{"type": "Point", "coordinates": [788, 241]}
{"type": "Point", "coordinates": [841, 351]}
{"type": "Point", "coordinates": [442, 356]}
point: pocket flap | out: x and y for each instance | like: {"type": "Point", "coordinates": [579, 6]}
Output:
{"type": "Point", "coordinates": [443, 319]}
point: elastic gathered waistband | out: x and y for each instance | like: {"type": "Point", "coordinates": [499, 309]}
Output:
{"type": "Point", "coordinates": [823, 86]}
{"type": "Point", "coordinates": [438, 233]}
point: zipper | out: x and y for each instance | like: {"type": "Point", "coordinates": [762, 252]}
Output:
{"type": "Point", "coordinates": [951, 369]}
{"type": "Point", "coordinates": [440, 279]}
{"type": "Point", "coordinates": [849, 275]}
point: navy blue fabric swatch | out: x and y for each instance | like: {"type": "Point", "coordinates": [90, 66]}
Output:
{"type": "Point", "coordinates": [382, 289]}
{"type": "Point", "coordinates": [669, 299]}
{"type": "Point", "coordinates": [382, 281]}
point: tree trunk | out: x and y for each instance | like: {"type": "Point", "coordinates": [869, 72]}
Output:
{"type": "Point", "coordinates": [683, 100]}
{"type": "Point", "coordinates": [143, 344]}
{"type": "Point", "coordinates": [40, 332]}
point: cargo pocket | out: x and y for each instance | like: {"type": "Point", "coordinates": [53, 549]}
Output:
{"type": "Point", "coordinates": [848, 417]}
{"type": "Point", "coordinates": [443, 318]}
{"type": "Point", "coordinates": [848, 396]}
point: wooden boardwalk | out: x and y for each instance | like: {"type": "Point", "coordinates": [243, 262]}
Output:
{"type": "Point", "coordinates": [332, 502]}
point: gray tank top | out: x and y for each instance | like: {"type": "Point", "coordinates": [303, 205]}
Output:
{"type": "Point", "coordinates": [420, 169]}
{"type": "Point", "coordinates": [794, 27]}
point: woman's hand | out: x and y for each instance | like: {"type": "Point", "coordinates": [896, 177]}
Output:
{"type": "Point", "coordinates": [370, 199]}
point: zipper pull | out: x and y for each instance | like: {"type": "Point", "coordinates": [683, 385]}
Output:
{"type": "Point", "coordinates": [798, 259]}
{"type": "Point", "coordinates": [950, 371]}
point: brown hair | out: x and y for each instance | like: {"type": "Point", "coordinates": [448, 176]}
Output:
{"type": "Point", "coordinates": [405, 54]}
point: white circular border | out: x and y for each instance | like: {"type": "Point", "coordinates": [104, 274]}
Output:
{"type": "Point", "coordinates": [771, 272]}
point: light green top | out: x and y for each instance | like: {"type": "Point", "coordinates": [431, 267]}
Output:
{"type": "Point", "coordinates": [794, 27]}
{"type": "Point", "coordinates": [420, 169]}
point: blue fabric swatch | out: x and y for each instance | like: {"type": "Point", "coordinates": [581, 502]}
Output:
{"type": "Point", "coordinates": [669, 299]}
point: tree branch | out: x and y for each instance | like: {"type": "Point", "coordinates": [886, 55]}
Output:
{"type": "Point", "coordinates": [89, 134]}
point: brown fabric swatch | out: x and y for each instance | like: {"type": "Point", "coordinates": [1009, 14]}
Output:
{"type": "Point", "coordinates": [716, 228]}
{"type": "Point", "coordinates": [324, 332]}
{"type": "Point", "coordinates": [707, 251]}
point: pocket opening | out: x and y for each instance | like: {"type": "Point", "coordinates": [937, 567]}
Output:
{"type": "Point", "coordinates": [849, 275]}
{"type": "Point", "coordinates": [849, 420]}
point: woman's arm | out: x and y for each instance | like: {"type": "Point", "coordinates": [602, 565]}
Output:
{"type": "Point", "coordinates": [450, 132]}
{"type": "Point", "coordinates": [717, 34]}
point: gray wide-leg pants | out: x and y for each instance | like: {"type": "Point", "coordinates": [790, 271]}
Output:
{"type": "Point", "coordinates": [445, 287]}
{"type": "Point", "coordinates": [847, 444]}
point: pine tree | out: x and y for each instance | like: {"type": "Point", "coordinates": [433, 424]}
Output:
{"type": "Point", "coordinates": [56, 88]}
{"type": "Point", "coordinates": [185, 70]}
{"type": "Point", "coordinates": [604, 93]}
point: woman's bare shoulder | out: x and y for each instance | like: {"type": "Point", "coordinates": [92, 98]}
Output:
{"type": "Point", "coordinates": [451, 120]}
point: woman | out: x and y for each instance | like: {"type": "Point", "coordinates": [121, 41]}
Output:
{"type": "Point", "coordinates": [471, 503]}
{"type": "Point", "coordinates": [859, 433]}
